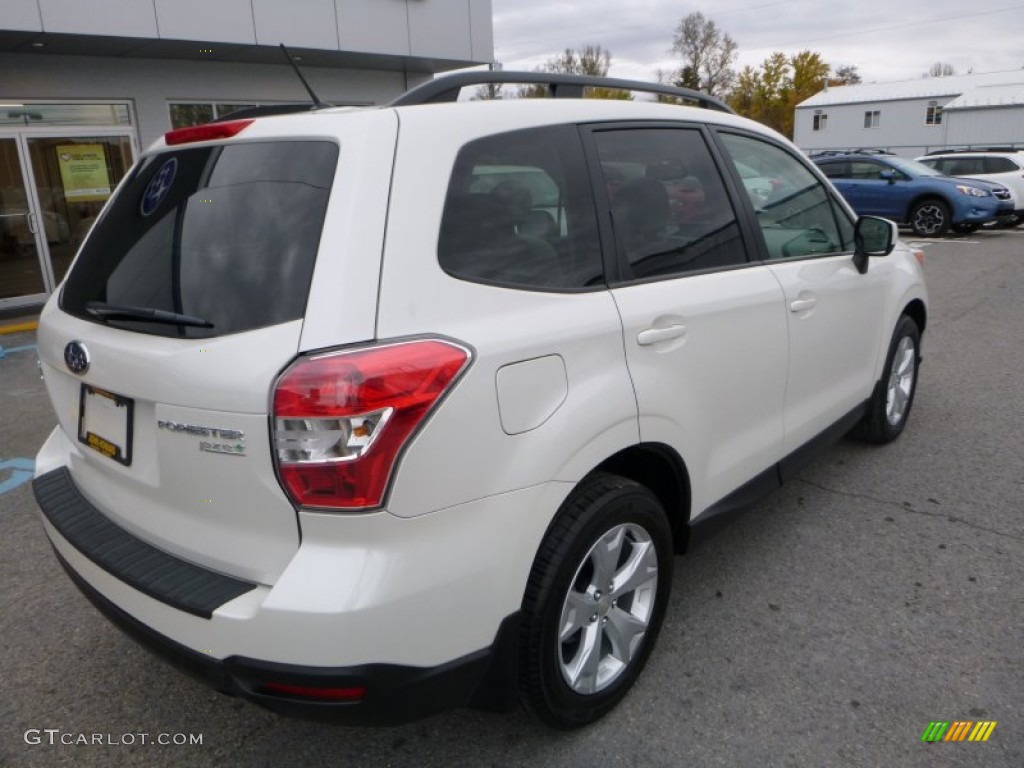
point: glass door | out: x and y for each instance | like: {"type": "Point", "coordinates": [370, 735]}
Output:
{"type": "Point", "coordinates": [74, 176]}
{"type": "Point", "coordinates": [23, 279]}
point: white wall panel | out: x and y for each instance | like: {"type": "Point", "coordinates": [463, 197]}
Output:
{"type": "Point", "coordinates": [378, 26]}
{"type": "Point", "coordinates": [481, 20]}
{"type": "Point", "coordinates": [992, 127]}
{"type": "Point", "coordinates": [122, 18]}
{"type": "Point", "coordinates": [309, 25]}
{"type": "Point", "coordinates": [440, 28]}
{"type": "Point", "coordinates": [22, 15]}
{"type": "Point", "coordinates": [226, 21]}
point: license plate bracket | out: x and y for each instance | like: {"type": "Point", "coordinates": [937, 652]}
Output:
{"type": "Point", "coordinates": [105, 423]}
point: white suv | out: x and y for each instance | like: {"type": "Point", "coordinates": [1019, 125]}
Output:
{"type": "Point", "coordinates": [367, 413]}
{"type": "Point", "coordinates": [1002, 166]}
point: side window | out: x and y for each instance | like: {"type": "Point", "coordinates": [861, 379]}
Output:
{"type": "Point", "coordinates": [799, 217]}
{"type": "Point", "coordinates": [519, 213]}
{"type": "Point", "coordinates": [840, 170]}
{"type": "Point", "coordinates": [999, 165]}
{"type": "Point", "coordinates": [865, 170]}
{"type": "Point", "coordinates": [965, 166]}
{"type": "Point", "coordinates": [670, 210]}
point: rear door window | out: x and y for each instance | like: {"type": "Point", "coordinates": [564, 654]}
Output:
{"type": "Point", "coordinates": [670, 209]}
{"type": "Point", "coordinates": [223, 235]}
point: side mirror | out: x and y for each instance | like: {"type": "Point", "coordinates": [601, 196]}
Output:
{"type": "Point", "coordinates": [889, 176]}
{"type": "Point", "coordinates": [872, 236]}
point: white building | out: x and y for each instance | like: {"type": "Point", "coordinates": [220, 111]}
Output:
{"type": "Point", "coordinates": [914, 117]}
{"type": "Point", "coordinates": [86, 84]}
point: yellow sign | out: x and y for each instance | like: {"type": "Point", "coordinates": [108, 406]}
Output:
{"type": "Point", "coordinates": [83, 172]}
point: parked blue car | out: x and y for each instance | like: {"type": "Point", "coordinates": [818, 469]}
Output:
{"type": "Point", "coordinates": [913, 194]}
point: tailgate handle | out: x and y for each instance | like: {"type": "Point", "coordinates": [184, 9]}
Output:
{"type": "Point", "coordinates": [650, 336]}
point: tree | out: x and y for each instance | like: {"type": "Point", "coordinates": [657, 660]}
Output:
{"type": "Point", "coordinates": [940, 69]}
{"type": "Point", "coordinates": [707, 54]}
{"type": "Point", "coordinates": [770, 94]}
{"type": "Point", "coordinates": [592, 60]}
{"type": "Point", "coordinates": [845, 74]}
{"type": "Point", "coordinates": [488, 92]}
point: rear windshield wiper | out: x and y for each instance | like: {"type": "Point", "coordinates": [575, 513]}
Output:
{"type": "Point", "coordinates": [104, 311]}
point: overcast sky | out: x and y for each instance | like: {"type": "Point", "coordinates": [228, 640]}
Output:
{"type": "Point", "coordinates": [893, 40]}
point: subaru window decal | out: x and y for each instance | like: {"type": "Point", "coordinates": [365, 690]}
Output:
{"type": "Point", "coordinates": [158, 187]}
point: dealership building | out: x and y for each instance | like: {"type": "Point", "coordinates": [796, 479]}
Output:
{"type": "Point", "coordinates": [84, 86]}
{"type": "Point", "coordinates": [914, 117]}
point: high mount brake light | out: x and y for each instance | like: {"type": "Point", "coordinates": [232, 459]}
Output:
{"type": "Point", "coordinates": [342, 418]}
{"type": "Point", "coordinates": [207, 132]}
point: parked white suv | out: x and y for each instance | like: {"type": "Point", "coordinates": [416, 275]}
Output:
{"type": "Point", "coordinates": [1001, 166]}
{"type": "Point", "coordinates": [353, 425]}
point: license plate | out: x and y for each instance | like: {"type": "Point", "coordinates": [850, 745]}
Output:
{"type": "Point", "coordinates": [105, 423]}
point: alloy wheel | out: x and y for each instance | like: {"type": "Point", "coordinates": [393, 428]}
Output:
{"type": "Point", "coordinates": [901, 381]}
{"type": "Point", "coordinates": [608, 609]}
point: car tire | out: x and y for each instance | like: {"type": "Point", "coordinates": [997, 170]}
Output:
{"type": "Point", "coordinates": [594, 601]}
{"type": "Point", "coordinates": [889, 407]}
{"type": "Point", "coordinates": [929, 218]}
{"type": "Point", "coordinates": [965, 228]}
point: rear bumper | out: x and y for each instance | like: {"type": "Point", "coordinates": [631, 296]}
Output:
{"type": "Point", "coordinates": [346, 614]}
{"type": "Point", "coordinates": [393, 694]}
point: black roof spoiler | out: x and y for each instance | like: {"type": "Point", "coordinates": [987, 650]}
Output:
{"type": "Point", "coordinates": [447, 88]}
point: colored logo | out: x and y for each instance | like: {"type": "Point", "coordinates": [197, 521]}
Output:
{"type": "Point", "coordinates": [158, 187]}
{"type": "Point", "coordinates": [76, 357]}
{"type": "Point", "coordinates": [958, 730]}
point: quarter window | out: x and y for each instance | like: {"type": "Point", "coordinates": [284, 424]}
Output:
{"type": "Point", "coordinates": [519, 212]}
{"type": "Point", "coordinates": [670, 210]}
{"type": "Point", "coordinates": [999, 165]}
{"type": "Point", "coordinates": [798, 217]}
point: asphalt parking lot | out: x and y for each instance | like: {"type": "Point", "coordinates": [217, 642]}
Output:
{"type": "Point", "coordinates": [827, 626]}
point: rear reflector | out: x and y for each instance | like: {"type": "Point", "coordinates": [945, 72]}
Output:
{"type": "Point", "coordinates": [341, 419]}
{"type": "Point", "coordinates": [355, 693]}
{"type": "Point", "coordinates": [207, 132]}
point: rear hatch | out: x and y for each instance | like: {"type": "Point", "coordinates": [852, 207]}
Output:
{"type": "Point", "coordinates": [187, 300]}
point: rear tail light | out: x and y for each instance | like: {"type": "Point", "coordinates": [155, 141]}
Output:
{"type": "Point", "coordinates": [341, 419]}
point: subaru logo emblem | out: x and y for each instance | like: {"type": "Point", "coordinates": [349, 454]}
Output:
{"type": "Point", "coordinates": [76, 357]}
{"type": "Point", "coordinates": [158, 187]}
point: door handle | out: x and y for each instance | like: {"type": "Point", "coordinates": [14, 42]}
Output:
{"type": "Point", "coordinates": [650, 336]}
{"type": "Point", "coordinates": [802, 305]}
{"type": "Point", "coordinates": [33, 225]}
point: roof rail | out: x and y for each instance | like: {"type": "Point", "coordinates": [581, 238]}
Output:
{"type": "Point", "coordinates": [975, 149]}
{"type": "Point", "coordinates": [838, 152]}
{"type": "Point", "coordinates": [447, 88]}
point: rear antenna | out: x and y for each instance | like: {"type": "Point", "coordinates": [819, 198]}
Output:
{"type": "Point", "coordinates": [317, 104]}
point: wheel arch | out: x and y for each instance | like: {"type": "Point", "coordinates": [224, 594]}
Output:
{"type": "Point", "coordinates": [661, 469]}
{"type": "Point", "coordinates": [917, 312]}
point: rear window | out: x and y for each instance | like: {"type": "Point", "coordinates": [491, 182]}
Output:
{"type": "Point", "coordinates": [216, 240]}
